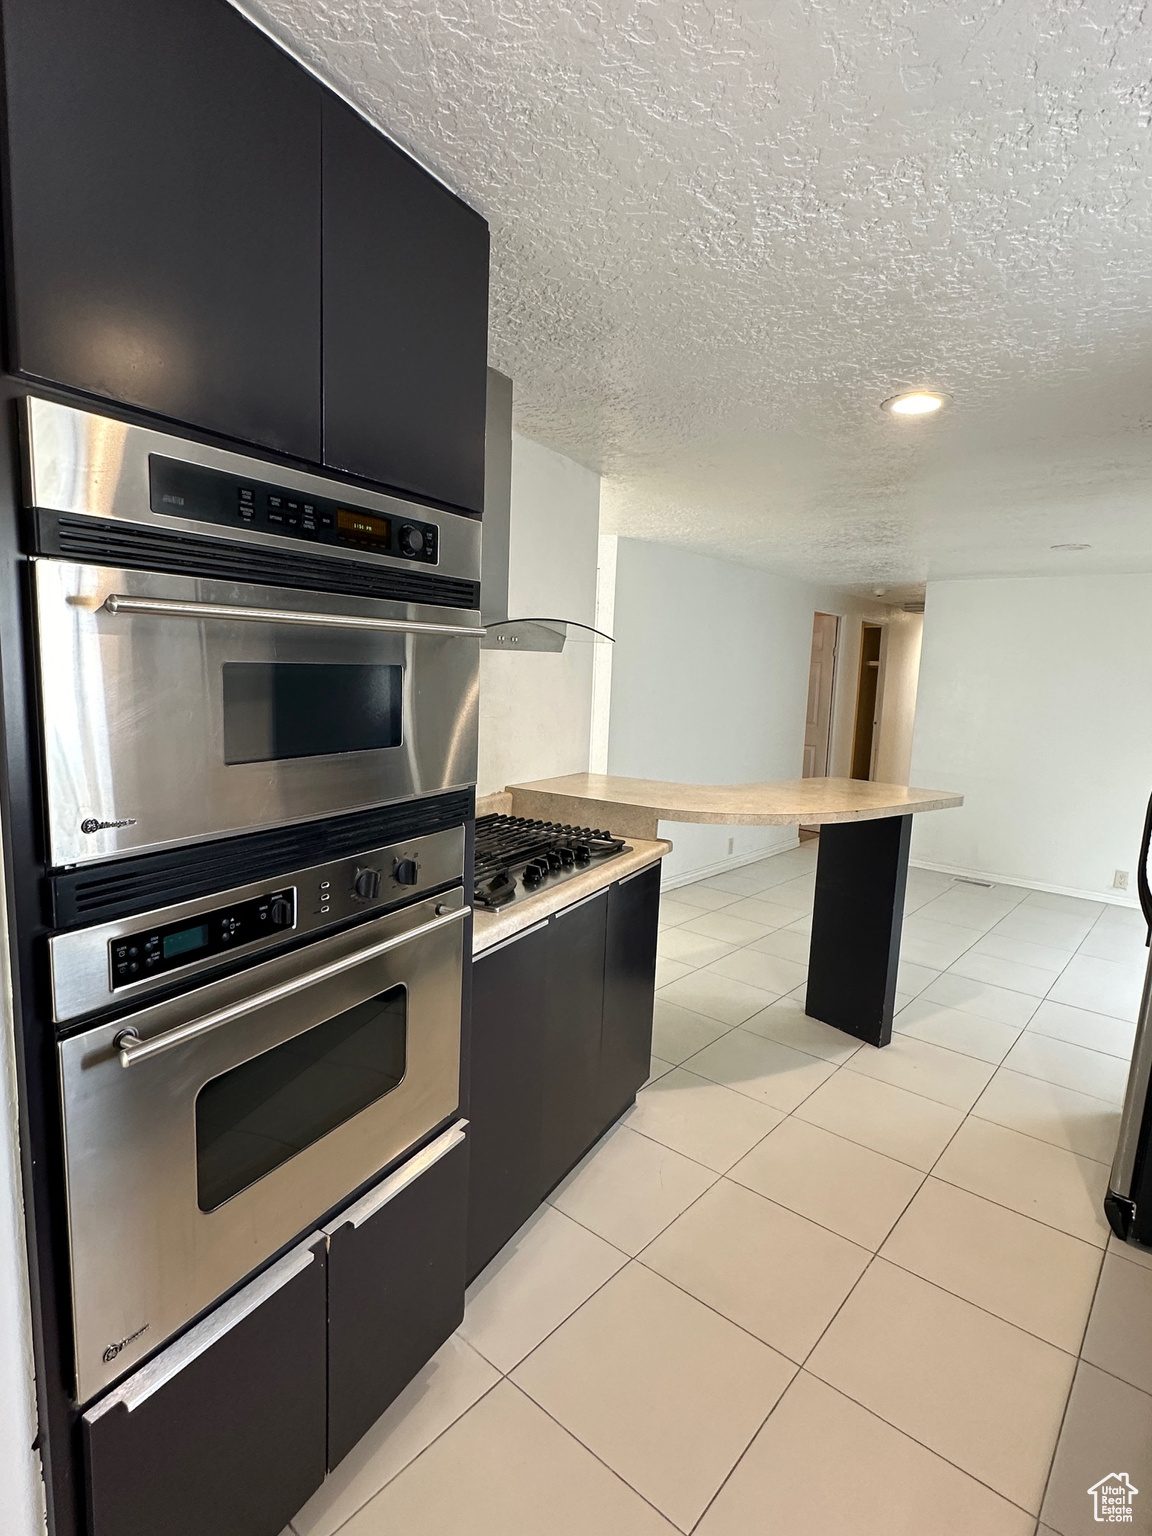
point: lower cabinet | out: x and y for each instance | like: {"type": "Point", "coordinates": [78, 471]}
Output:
{"type": "Point", "coordinates": [224, 1431]}
{"type": "Point", "coordinates": [629, 990]}
{"type": "Point", "coordinates": [230, 1429]}
{"type": "Point", "coordinates": [561, 1042]}
{"type": "Point", "coordinates": [505, 1097]}
{"type": "Point", "coordinates": [395, 1285]}
{"type": "Point", "coordinates": [573, 1005]}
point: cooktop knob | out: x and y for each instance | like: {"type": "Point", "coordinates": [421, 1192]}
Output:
{"type": "Point", "coordinates": [280, 914]}
{"type": "Point", "coordinates": [567, 857]}
{"type": "Point", "coordinates": [411, 541]}
{"type": "Point", "coordinates": [406, 872]}
{"type": "Point", "coordinates": [554, 859]}
{"type": "Point", "coordinates": [366, 884]}
{"type": "Point", "coordinates": [583, 853]}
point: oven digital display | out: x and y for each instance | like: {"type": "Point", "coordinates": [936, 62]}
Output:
{"type": "Point", "coordinates": [360, 528]}
{"type": "Point", "coordinates": [185, 941]}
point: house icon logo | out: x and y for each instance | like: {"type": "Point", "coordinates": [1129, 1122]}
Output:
{"type": "Point", "coordinates": [1112, 1499]}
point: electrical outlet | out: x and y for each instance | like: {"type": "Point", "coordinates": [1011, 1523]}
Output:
{"type": "Point", "coordinates": [1120, 880]}
{"type": "Point", "coordinates": [731, 844]}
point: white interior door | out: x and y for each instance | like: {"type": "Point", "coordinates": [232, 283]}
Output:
{"type": "Point", "coordinates": [821, 679]}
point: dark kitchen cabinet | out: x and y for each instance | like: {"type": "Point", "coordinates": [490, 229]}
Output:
{"type": "Point", "coordinates": [629, 990]}
{"type": "Point", "coordinates": [561, 1041]}
{"type": "Point", "coordinates": [224, 1431]}
{"type": "Point", "coordinates": [505, 1092]}
{"type": "Point", "coordinates": [395, 1285]}
{"type": "Point", "coordinates": [405, 319]}
{"type": "Point", "coordinates": [573, 1009]}
{"type": "Point", "coordinates": [164, 195]}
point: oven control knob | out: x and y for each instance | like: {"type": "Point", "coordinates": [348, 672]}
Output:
{"type": "Point", "coordinates": [532, 875]}
{"type": "Point", "coordinates": [411, 541]}
{"type": "Point", "coordinates": [366, 884]}
{"type": "Point", "coordinates": [280, 914]}
{"type": "Point", "coordinates": [406, 872]}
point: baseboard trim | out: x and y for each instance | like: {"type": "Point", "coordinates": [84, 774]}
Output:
{"type": "Point", "coordinates": [1111, 898]}
{"type": "Point", "coordinates": [725, 866]}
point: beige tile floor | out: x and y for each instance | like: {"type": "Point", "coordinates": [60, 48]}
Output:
{"type": "Point", "coordinates": [806, 1286]}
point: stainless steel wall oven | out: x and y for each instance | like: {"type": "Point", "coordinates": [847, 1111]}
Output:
{"type": "Point", "coordinates": [225, 645]}
{"type": "Point", "coordinates": [258, 717]}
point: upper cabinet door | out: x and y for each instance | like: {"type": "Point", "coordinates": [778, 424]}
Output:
{"type": "Point", "coordinates": [405, 319]}
{"type": "Point", "coordinates": [164, 178]}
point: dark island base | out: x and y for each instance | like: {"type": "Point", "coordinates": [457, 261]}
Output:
{"type": "Point", "coordinates": [861, 874]}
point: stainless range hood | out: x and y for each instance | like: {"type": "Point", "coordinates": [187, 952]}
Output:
{"type": "Point", "coordinates": [503, 631]}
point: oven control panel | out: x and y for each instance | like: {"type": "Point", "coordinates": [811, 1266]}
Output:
{"type": "Point", "coordinates": [181, 489]}
{"type": "Point", "coordinates": [152, 951]}
{"type": "Point", "coordinates": [109, 963]}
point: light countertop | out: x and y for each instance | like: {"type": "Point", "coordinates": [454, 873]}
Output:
{"type": "Point", "coordinates": [494, 927]}
{"type": "Point", "coordinates": [633, 808]}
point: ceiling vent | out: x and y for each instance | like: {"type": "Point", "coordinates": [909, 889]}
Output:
{"type": "Point", "coordinates": [916, 606]}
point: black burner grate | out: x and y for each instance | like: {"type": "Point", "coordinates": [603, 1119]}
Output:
{"type": "Point", "coordinates": [536, 852]}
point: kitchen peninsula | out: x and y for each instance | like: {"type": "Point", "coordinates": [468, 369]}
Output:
{"type": "Point", "coordinates": [861, 871]}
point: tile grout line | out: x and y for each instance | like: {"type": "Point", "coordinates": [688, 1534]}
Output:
{"type": "Point", "coordinates": [620, 1478]}
{"type": "Point", "coordinates": [360, 1508]}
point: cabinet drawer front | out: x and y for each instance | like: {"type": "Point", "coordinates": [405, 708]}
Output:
{"type": "Point", "coordinates": [224, 1431]}
{"type": "Point", "coordinates": [395, 1287]}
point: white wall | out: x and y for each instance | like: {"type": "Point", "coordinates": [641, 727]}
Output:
{"type": "Point", "coordinates": [1036, 703]}
{"type": "Point", "coordinates": [535, 707]}
{"type": "Point", "coordinates": [899, 682]}
{"type": "Point", "coordinates": [709, 684]}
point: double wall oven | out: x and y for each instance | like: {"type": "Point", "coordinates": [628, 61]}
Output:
{"type": "Point", "coordinates": [258, 714]}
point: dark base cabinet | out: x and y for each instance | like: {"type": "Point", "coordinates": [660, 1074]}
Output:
{"type": "Point", "coordinates": [629, 990]}
{"type": "Point", "coordinates": [231, 1429]}
{"type": "Point", "coordinates": [573, 1009]}
{"type": "Point", "coordinates": [395, 1286]}
{"type": "Point", "coordinates": [561, 1041]}
{"type": "Point", "coordinates": [224, 1432]}
{"type": "Point", "coordinates": [504, 1080]}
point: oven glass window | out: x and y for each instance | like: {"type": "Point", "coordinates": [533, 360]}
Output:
{"type": "Point", "coordinates": [279, 709]}
{"type": "Point", "coordinates": [258, 1115]}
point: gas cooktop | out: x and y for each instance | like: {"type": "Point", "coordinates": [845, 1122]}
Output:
{"type": "Point", "coordinates": [516, 857]}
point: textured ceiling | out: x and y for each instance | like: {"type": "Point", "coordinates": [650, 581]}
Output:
{"type": "Point", "coordinates": [723, 233]}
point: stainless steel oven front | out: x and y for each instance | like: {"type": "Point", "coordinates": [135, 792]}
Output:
{"type": "Point", "coordinates": [204, 1133]}
{"type": "Point", "coordinates": [227, 643]}
{"type": "Point", "coordinates": [178, 708]}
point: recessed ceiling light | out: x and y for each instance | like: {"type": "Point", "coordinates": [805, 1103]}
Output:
{"type": "Point", "coordinates": [918, 402]}
{"type": "Point", "coordinates": [1070, 546]}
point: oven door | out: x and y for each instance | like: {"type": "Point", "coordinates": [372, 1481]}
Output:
{"type": "Point", "coordinates": [176, 708]}
{"type": "Point", "coordinates": [203, 1134]}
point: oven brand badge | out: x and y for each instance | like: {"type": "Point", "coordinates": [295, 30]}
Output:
{"type": "Point", "coordinates": [90, 824]}
{"type": "Point", "coordinates": [115, 1349]}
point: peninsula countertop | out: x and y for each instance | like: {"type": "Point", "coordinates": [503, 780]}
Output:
{"type": "Point", "coordinates": [635, 807]}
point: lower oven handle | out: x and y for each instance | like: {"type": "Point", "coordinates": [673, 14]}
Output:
{"type": "Point", "coordinates": [164, 607]}
{"type": "Point", "coordinates": [132, 1049]}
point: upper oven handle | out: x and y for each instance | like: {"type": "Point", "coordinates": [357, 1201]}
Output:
{"type": "Point", "coordinates": [132, 1049]}
{"type": "Point", "coordinates": [166, 607]}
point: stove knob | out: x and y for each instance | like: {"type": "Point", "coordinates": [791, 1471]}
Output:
{"type": "Point", "coordinates": [567, 857]}
{"type": "Point", "coordinates": [583, 853]}
{"type": "Point", "coordinates": [411, 540]}
{"type": "Point", "coordinates": [554, 859]}
{"type": "Point", "coordinates": [366, 884]}
{"type": "Point", "coordinates": [280, 914]}
{"type": "Point", "coordinates": [532, 876]}
{"type": "Point", "coordinates": [406, 872]}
